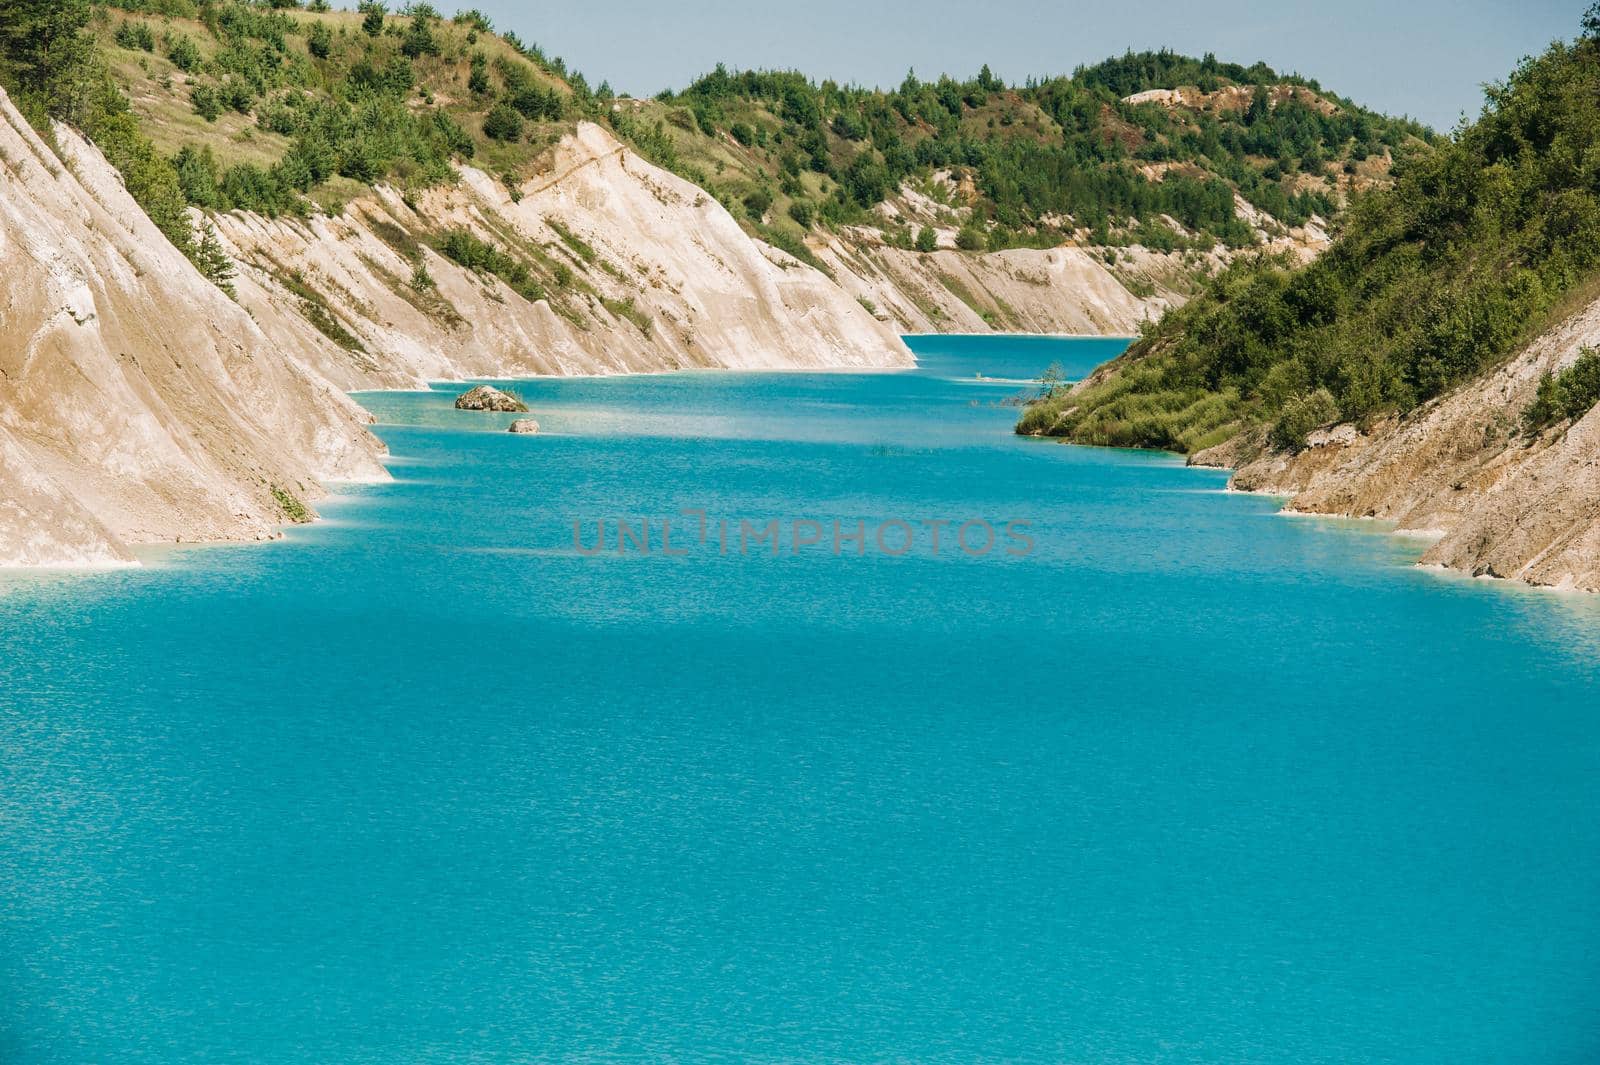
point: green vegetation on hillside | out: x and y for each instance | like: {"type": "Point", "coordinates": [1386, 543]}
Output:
{"type": "Point", "coordinates": [288, 107]}
{"type": "Point", "coordinates": [268, 107]}
{"type": "Point", "coordinates": [1431, 283]}
{"type": "Point", "coordinates": [1047, 158]}
{"type": "Point", "coordinates": [1572, 393]}
{"type": "Point", "coordinates": [52, 70]}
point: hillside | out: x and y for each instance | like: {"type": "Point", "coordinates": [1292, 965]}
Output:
{"type": "Point", "coordinates": [1148, 148]}
{"type": "Point", "coordinates": [186, 382]}
{"type": "Point", "coordinates": [1094, 185]}
{"type": "Point", "coordinates": [220, 216]}
{"type": "Point", "coordinates": [1147, 172]}
{"type": "Point", "coordinates": [1430, 369]}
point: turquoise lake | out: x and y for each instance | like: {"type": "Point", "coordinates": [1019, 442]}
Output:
{"type": "Point", "coordinates": [1188, 782]}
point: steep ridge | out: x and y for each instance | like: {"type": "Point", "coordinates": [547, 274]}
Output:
{"type": "Point", "coordinates": [662, 279]}
{"type": "Point", "coordinates": [139, 404]}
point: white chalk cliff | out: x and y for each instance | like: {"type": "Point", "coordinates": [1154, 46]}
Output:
{"type": "Point", "coordinates": [139, 404]}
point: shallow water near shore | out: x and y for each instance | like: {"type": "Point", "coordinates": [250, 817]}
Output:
{"type": "Point", "coordinates": [1187, 782]}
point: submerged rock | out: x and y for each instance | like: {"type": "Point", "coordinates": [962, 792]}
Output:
{"type": "Point", "coordinates": [524, 427]}
{"type": "Point", "coordinates": [486, 398]}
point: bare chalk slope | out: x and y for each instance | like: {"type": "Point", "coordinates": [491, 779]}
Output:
{"type": "Point", "coordinates": [139, 404]}
{"type": "Point", "coordinates": [659, 277]}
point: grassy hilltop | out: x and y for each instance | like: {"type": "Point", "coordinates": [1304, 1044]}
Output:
{"type": "Point", "coordinates": [1082, 156]}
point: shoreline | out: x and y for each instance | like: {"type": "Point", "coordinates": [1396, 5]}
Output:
{"type": "Point", "coordinates": [1020, 336]}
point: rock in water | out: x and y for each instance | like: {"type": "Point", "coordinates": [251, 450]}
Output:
{"type": "Point", "coordinates": [485, 398]}
{"type": "Point", "coordinates": [524, 427]}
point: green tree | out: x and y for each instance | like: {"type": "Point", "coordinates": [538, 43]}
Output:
{"type": "Point", "coordinates": [757, 203]}
{"type": "Point", "coordinates": [478, 77]}
{"type": "Point", "coordinates": [419, 40]}
{"type": "Point", "coordinates": [1570, 394]}
{"type": "Point", "coordinates": [198, 178]}
{"type": "Point", "coordinates": [927, 240]}
{"type": "Point", "coordinates": [372, 23]}
{"type": "Point", "coordinates": [213, 261]}
{"type": "Point", "coordinates": [319, 40]}
{"type": "Point", "coordinates": [503, 123]}
{"type": "Point", "coordinates": [43, 51]}
{"type": "Point", "coordinates": [135, 36]}
{"type": "Point", "coordinates": [207, 103]}
{"type": "Point", "coordinates": [971, 238]}
{"type": "Point", "coordinates": [184, 53]}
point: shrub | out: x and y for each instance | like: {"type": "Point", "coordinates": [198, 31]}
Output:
{"type": "Point", "coordinates": [927, 240]}
{"type": "Point", "coordinates": [803, 213]}
{"type": "Point", "coordinates": [419, 40]}
{"type": "Point", "coordinates": [207, 103]}
{"type": "Point", "coordinates": [503, 123]}
{"type": "Point", "coordinates": [421, 279]}
{"type": "Point", "coordinates": [480, 256]}
{"type": "Point", "coordinates": [757, 203]}
{"type": "Point", "coordinates": [1300, 417]}
{"type": "Point", "coordinates": [184, 53]}
{"type": "Point", "coordinates": [213, 261]}
{"type": "Point", "coordinates": [198, 177]}
{"type": "Point", "coordinates": [1570, 394]}
{"type": "Point", "coordinates": [478, 78]}
{"type": "Point", "coordinates": [535, 104]}
{"type": "Point", "coordinates": [136, 36]}
{"type": "Point", "coordinates": [971, 238]}
{"type": "Point", "coordinates": [320, 41]}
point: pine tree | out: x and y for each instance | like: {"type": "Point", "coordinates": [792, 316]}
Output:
{"type": "Point", "coordinates": [372, 25]}
{"type": "Point", "coordinates": [320, 41]}
{"type": "Point", "coordinates": [478, 80]}
{"type": "Point", "coordinates": [42, 46]}
{"type": "Point", "coordinates": [212, 260]}
{"type": "Point", "coordinates": [419, 39]}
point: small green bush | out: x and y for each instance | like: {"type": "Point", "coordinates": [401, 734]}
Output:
{"type": "Point", "coordinates": [1301, 416]}
{"type": "Point", "coordinates": [971, 238]}
{"type": "Point", "coordinates": [184, 53]}
{"type": "Point", "coordinates": [757, 203]}
{"type": "Point", "coordinates": [136, 36]}
{"type": "Point", "coordinates": [1570, 394]}
{"type": "Point", "coordinates": [320, 41]}
{"type": "Point", "coordinates": [503, 123]}
{"type": "Point", "coordinates": [207, 103]}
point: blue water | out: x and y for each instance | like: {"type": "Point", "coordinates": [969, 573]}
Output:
{"type": "Point", "coordinates": [1190, 782]}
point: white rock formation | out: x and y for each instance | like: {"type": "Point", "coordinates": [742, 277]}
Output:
{"type": "Point", "coordinates": [139, 404]}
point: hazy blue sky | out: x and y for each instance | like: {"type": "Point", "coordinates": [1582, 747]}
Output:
{"type": "Point", "coordinates": [1426, 58]}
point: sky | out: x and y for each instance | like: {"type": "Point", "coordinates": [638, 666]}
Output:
{"type": "Point", "coordinates": [1425, 58]}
